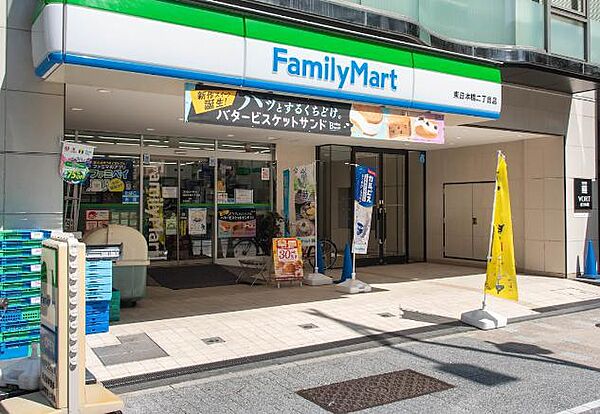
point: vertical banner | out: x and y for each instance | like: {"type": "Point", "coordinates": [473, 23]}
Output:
{"type": "Point", "coordinates": [304, 193]}
{"type": "Point", "coordinates": [75, 161]}
{"type": "Point", "coordinates": [286, 200]}
{"type": "Point", "coordinates": [501, 275]}
{"type": "Point", "coordinates": [364, 199]}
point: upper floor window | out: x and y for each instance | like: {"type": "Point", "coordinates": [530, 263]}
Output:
{"type": "Point", "coordinates": [571, 5]}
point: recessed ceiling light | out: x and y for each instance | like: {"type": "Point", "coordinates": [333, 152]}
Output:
{"type": "Point", "coordinates": [230, 135]}
{"type": "Point", "coordinates": [180, 119]}
{"type": "Point", "coordinates": [150, 129]}
{"type": "Point", "coordinates": [76, 109]}
{"type": "Point", "coordinates": [458, 137]}
{"type": "Point", "coordinates": [102, 90]}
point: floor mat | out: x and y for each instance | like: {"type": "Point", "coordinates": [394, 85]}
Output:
{"type": "Point", "coordinates": [191, 277]}
{"type": "Point", "coordinates": [359, 394]}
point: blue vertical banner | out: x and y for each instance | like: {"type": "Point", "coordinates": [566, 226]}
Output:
{"type": "Point", "coordinates": [365, 180]}
{"type": "Point", "coordinates": [286, 200]}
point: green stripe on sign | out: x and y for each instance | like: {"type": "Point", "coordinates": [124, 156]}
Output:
{"type": "Point", "coordinates": [455, 67]}
{"type": "Point", "coordinates": [170, 12]}
{"type": "Point", "coordinates": [292, 36]}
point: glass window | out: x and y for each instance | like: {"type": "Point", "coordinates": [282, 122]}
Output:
{"type": "Point", "coordinates": [408, 8]}
{"type": "Point", "coordinates": [110, 195]}
{"type": "Point", "coordinates": [594, 13]}
{"type": "Point", "coordinates": [572, 5]}
{"type": "Point", "coordinates": [567, 37]}
{"type": "Point", "coordinates": [529, 26]}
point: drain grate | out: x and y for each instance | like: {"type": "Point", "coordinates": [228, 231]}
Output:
{"type": "Point", "coordinates": [308, 326]}
{"type": "Point", "coordinates": [386, 315]}
{"type": "Point", "coordinates": [359, 394]}
{"type": "Point", "coordinates": [213, 340]}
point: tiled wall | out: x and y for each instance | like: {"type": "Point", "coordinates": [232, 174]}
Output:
{"type": "Point", "coordinates": [536, 190]}
{"type": "Point", "coordinates": [31, 126]}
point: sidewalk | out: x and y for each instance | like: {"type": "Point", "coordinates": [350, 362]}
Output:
{"type": "Point", "coordinates": [242, 321]}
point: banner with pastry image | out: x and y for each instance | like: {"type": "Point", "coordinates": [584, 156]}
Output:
{"type": "Point", "coordinates": [287, 259]}
{"type": "Point", "coordinates": [394, 124]}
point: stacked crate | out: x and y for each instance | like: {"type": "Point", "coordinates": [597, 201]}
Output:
{"type": "Point", "coordinates": [98, 294]}
{"type": "Point", "coordinates": [20, 290]}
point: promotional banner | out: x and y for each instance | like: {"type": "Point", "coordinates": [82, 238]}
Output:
{"type": "Point", "coordinates": [287, 258]}
{"type": "Point", "coordinates": [197, 221]}
{"type": "Point", "coordinates": [364, 199]}
{"type": "Point", "coordinates": [237, 223]}
{"type": "Point", "coordinates": [304, 195]}
{"type": "Point", "coordinates": [501, 275]}
{"type": "Point", "coordinates": [110, 174]}
{"type": "Point", "coordinates": [207, 105]}
{"type": "Point", "coordinates": [75, 161]}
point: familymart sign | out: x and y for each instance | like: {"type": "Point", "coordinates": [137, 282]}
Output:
{"type": "Point", "coordinates": [148, 36]}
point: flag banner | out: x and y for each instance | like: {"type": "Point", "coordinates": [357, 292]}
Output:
{"type": "Point", "coordinates": [75, 160]}
{"type": "Point", "coordinates": [501, 275]}
{"type": "Point", "coordinates": [364, 199]}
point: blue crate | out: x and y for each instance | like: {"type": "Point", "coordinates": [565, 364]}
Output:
{"type": "Point", "coordinates": [31, 334]}
{"type": "Point", "coordinates": [26, 314]}
{"type": "Point", "coordinates": [13, 350]}
{"type": "Point", "coordinates": [98, 264]}
{"type": "Point", "coordinates": [97, 307]}
{"type": "Point", "coordinates": [98, 296]}
{"type": "Point", "coordinates": [23, 326]}
{"type": "Point", "coordinates": [26, 302]}
{"type": "Point", "coordinates": [21, 285]}
{"type": "Point", "coordinates": [97, 317]}
{"type": "Point", "coordinates": [19, 277]}
{"type": "Point", "coordinates": [96, 328]}
{"type": "Point", "coordinates": [31, 234]}
{"type": "Point", "coordinates": [21, 261]}
{"type": "Point", "coordinates": [97, 280]}
{"type": "Point", "coordinates": [20, 268]}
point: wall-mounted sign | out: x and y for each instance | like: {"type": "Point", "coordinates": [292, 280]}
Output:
{"type": "Point", "coordinates": [583, 194]}
{"type": "Point", "coordinates": [209, 105]}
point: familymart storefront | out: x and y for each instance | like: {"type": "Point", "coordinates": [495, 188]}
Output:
{"type": "Point", "coordinates": [183, 136]}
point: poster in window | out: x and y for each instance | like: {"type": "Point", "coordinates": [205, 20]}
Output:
{"type": "Point", "coordinates": [197, 221]}
{"type": "Point", "coordinates": [237, 223]}
{"type": "Point", "coordinates": [110, 175]}
{"type": "Point", "coordinates": [304, 201]}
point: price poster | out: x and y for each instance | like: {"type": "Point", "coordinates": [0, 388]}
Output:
{"type": "Point", "coordinates": [287, 258]}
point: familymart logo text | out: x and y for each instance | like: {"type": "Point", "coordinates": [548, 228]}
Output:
{"type": "Point", "coordinates": [328, 69]}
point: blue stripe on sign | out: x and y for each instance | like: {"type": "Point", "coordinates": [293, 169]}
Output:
{"type": "Point", "coordinates": [53, 58]}
{"type": "Point", "coordinates": [151, 69]}
{"type": "Point", "coordinates": [335, 94]}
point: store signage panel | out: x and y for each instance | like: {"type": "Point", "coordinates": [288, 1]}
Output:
{"type": "Point", "coordinates": [443, 92]}
{"type": "Point", "coordinates": [286, 68]}
{"type": "Point", "coordinates": [583, 194]}
{"type": "Point", "coordinates": [207, 105]}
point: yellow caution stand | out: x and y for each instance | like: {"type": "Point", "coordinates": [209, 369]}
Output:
{"type": "Point", "coordinates": [62, 339]}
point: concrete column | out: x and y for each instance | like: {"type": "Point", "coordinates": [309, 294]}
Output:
{"type": "Point", "coordinates": [31, 127]}
{"type": "Point", "coordinates": [580, 162]}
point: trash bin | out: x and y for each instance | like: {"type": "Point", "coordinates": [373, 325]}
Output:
{"type": "Point", "coordinates": [129, 271]}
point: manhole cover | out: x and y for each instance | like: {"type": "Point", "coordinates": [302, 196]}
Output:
{"type": "Point", "coordinates": [359, 394]}
{"type": "Point", "coordinates": [213, 340]}
{"type": "Point", "coordinates": [386, 315]}
{"type": "Point", "coordinates": [308, 326]}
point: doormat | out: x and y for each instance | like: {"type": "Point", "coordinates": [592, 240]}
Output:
{"type": "Point", "coordinates": [361, 393]}
{"type": "Point", "coordinates": [192, 277]}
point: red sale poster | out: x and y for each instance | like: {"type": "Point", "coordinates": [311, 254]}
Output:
{"type": "Point", "coordinates": [287, 258]}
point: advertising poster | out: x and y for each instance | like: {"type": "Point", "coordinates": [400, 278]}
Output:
{"type": "Point", "coordinates": [75, 162]}
{"type": "Point", "coordinates": [208, 105]}
{"type": "Point", "coordinates": [364, 198]}
{"type": "Point", "coordinates": [197, 221]}
{"type": "Point", "coordinates": [304, 196]}
{"type": "Point", "coordinates": [243, 196]}
{"type": "Point", "coordinates": [109, 174]}
{"type": "Point", "coordinates": [237, 223]}
{"type": "Point", "coordinates": [287, 258]}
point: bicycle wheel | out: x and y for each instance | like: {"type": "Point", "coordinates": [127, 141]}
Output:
{"type": "Point", "coordinates": [329, 254]}
{"type": "Point", "coordinates": [245, 248]}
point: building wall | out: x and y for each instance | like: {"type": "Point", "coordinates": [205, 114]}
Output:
{"type": "Point", "coordinates": [537, 197]}
{"type": "Point", "coordinates": [31, 126]}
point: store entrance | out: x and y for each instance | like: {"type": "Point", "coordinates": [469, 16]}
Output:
{"type": "Point", "coordinates": [388, 237]}
{"type": "Point", "coordinates": [179, 209]}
